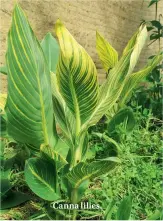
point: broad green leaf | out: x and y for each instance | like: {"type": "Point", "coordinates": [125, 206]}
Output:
{"type": "Point", "coordinates": [156, 24]}
{"type": "Point", "coordinates": [61, 147]}
{"type": "Point", "coordinates": [2, 148]}
{"type": "Point", "coordinates": [107, 54]}
{"type": "Point", "coordinates": [84, 144]}
{"type": "Point", "coordinates": [41, 177]}
{"type": "Point", "coordinates": [14, 199]}
{"type": "Point", "coordinates": [3, 98]}
{"type": "Point", "coordinates": [76, 76]}
{"type": "Point", "coordinates": [85, 171]}
{"type": "Point", "coordinates": [153, 2]}
{"type": "Point", "coordinates": [49, 153]}
{"type": "Point", "coordinates": [81, 189]}
{"type": "Point", "coordinates": [3, 125]}
{"type": "Point", "coordinates": [3, 70]}
{"type": "Point", "coordinates": [51, 51]}
{"type": "Point", "coordinates": [5, 187]}
{"type": "Point", "coordinates": [126, 116]}
{"type": "Point", "coordinates": [63, 115]}
{"type": "Point", "coordinates": [124, 209]}
{"type": "Point", "coordinates": [133, 80]}
{"type": "Point", "coordinates": [29, 103]}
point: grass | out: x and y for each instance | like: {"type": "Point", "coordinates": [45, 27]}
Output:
{"type": "Point", "coordinates": [140, 172]}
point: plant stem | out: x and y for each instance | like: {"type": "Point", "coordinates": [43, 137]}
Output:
{"type": "Point", "coordinates": [74, 201]}
{"type": "Point", "coordinates": [156, 12]}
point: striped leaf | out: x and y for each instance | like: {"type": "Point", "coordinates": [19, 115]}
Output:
{"type": "Point", "coordinates": [63, 115]}
{"type": "Point", "coordinates": [109, 93]}
{"type": "Point", "coordinates": [111, 89]}
{"type": "Point", "coordinates": [133, 80]}
{"type": "Point", "coordinates": [107, 54]}
{"type": "Point", "coordinates": [76, 76]}
{"type": "Point", "coordinates": [41, 177]}
{"type": "Point", "coordinates": [51, 51]}
{"type": "Point", "coordinates": [50, 154]}
{"type": "Point", "coordinates": [29, 103]}
{"type": "Point", "coordinates": [85, 171]}
{"type": "Point", "coordinates": [138, 46]}
{"type": "Point", "coordinates": [131, 43]}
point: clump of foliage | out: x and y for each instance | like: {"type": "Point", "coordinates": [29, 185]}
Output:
{"type": "Point", "coordinates": [149, 94]}
{"type": "Point", "coordinates": [140, 174]}
{"type": "Point", "coordinates": [50, 84]}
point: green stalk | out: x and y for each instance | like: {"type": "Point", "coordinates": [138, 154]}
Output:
{"type": "Point", "coordinates": [74, 201]}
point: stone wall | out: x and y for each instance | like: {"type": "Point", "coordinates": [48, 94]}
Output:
{"type": "Point", "coordinates": [117, 20]}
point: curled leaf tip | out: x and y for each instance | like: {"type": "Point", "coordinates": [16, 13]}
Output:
{"type": "Point", "coordinates": [58, 25]}
{"type": "Point", "coordinates": [97, 33]}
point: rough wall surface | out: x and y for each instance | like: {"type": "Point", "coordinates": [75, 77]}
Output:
{"type": "Point", "coordinates": [117, 20]}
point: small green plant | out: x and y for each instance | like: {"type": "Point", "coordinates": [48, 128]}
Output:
{"type": "Point", "coordinates": [44, 90]}
{"type": "Point", "coordinates": [9, 198]}
{"type": "Point", "coordinates": [123, 211]}
{"type": "Point", "coordinates": [149, 94]}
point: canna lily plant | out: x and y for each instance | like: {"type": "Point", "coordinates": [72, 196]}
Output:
{"type": "Point", "coordinates": [51, 85]}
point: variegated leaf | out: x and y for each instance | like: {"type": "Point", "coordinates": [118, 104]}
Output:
{"type": "Point", "coordinates": [107, 54]}
{"type": "Point", "coordinates": [109, 93]}
{"type": "Point", "coordinates": [49, 153]}
{"type": "Point", "coordinates": [131, 43]}
{"type": "Point", "coordinates": [111, 89]}
{"type": "Point", "coordinates": [41, 176]}
{"type": "Point", "coordinates": [29, 103]}
{"type": "Point", "coordinates": [76, 76]}
{"type": "Point", "coordinates": [63, 115]}
{"type": "Point", "coordinates": [138, 46]}
{"type": "Point", "coordinates": [132, 80]}
{"type": "Point", "coordinates": [85, 171]}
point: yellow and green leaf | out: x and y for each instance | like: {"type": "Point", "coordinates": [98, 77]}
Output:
{"type": "Point", "coordinates": [50, 153]}
{"type": "Point", "coordinates": [63, 115]}
{"type": "Point", "coordinates": [138, 46]}
{"type": "Point", "coordinates": [86, 171]}
{"type": "Point", "coordinates": [41, 177]}
{"type": "Point", "coordinates": [133, 80]}
{"type": "Point", "coordinates": [29, 102]}
{"type": "Point", "coordinates": [107, 54]}
{"type": "Point", "coordinates": [76, 77]}
{"type": "Point", "coordinates": [111, 89]}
